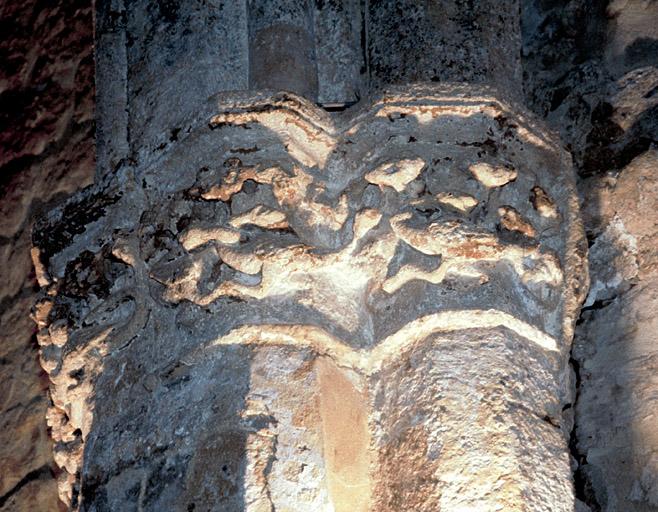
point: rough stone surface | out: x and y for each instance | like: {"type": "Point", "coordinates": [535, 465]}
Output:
{"type": "Point", "coordinates": [616, 413]}
{"type": "Point", "coordinates": [158, 62]}
{"type": "Point", "coordinates": [571, 81]}
{"type": "Point", "coordinates": [459, 40]}
{"type": "Point", "coordinates": [47, 152]}
{"type": "Point", "coordinates": [616, 347]}
{"type": "Point", "coordinates": [632, 36]}
{"type": "Point", "coordinates": [589, 69]}
{"type": "Point", "coordinates": [348, 341]}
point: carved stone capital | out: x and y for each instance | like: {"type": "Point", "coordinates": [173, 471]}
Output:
{"type": "Point", "coordinates": [285, 310]}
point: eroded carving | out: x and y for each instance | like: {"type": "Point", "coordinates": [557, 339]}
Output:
{"type": "Point", "coordinates": [326, 299]}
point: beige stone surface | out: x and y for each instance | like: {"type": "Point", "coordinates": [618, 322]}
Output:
{"type": "Point", "coordinates": [621, 215]}
{"type": "Point", "coordinates": [632, 35]}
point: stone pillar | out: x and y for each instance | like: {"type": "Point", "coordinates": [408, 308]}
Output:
{"type": "Point", "coordinates": [282, 47]}
{"type": "Point", "coordinates": [455, 41]}
{"type": "Point", "coordinates": [157, 63]}
{"type": "Point", "coordinates": [371, 313]}
{"type": "Point", "coordinates": [340, 38]}
{"type": "Point", "coordinates": [277, 309]}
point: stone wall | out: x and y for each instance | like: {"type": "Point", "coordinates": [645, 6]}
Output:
{"type": "Point", "coordinates": [591, 72]}
{"type": "Point", "coordinates": [47, 152]}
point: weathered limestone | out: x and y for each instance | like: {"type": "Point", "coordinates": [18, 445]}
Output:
{"type": "Point", "coordinates": [632, 39]}
{"type": "Point", "coordinates": [615, 344]}
{"type": "Point", "coordinates": [282, 47]}
{"type": "Point", "coordinates": [616, 413]}
{"type": "Point", "coordinates": [610, 126]}
{"type": "Point", "coordinates": [263, 307]}
{"type": "Point", "coordinates": [289, 311]}
{"type": "Point", "coordinates": [591, 71]}
{"type": "Point", "coordinates": [46, 153]}
{"type": "Point", "coordinates": [604, 123]}
{"type": "Point", "coordinates": [156, 63]}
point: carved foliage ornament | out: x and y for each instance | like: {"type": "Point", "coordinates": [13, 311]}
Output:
{"type": "Point", "coordinates": [284, 310]}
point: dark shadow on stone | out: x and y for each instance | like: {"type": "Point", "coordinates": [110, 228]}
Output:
{"type": "Point", "coordinates": [170, 436]}
{"type": "Point", "coordinates": [610, 148]}
{"type": "Point", "coordinates": [641, 52]}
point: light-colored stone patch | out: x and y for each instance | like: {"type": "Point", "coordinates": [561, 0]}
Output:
{"type": "Point", "coordinates": [492, 176]}
{"type": "Point", "coordinates": [396, 175]}
{"type": "Point", "coordinates": [462, 202]}
{"type": "Point", "coordinates": [261, 216]}
{"type": "Point", "coordinates": [198, 236]}
{"type": "Point", "coordinates": [512, 220]}
{"type": "Point", "coordinates": [543, 203]}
